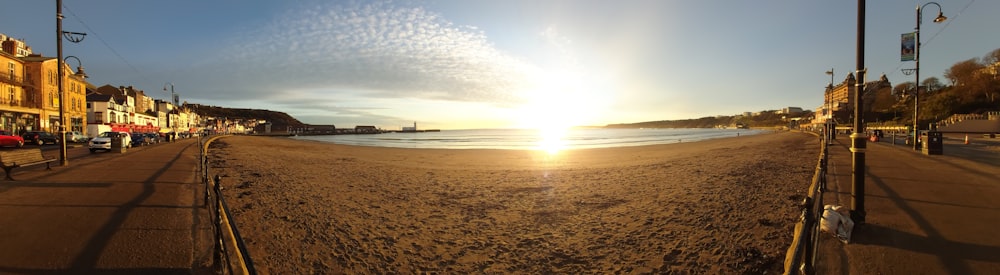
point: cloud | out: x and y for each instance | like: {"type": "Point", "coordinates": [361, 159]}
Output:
{"type": "Point", "coordinates": [378, 49]}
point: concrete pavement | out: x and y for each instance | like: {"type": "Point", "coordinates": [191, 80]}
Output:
{"type": "Point", "coordinates": [134, 213]}
{"type": "Point", "coordinates": [141, 213]}
{"type": "Point", "coordinates": [937, 214]}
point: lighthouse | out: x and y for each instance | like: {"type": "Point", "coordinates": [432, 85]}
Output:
{"type": "Point", "coordinates": [410, 129]}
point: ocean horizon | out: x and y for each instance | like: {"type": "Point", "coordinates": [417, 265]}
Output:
{"type": "Point", "coordinates": [532, 139]}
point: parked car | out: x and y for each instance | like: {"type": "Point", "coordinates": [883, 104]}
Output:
{"type": "Point", "coordinates": [9, 139]}
{"type": "Point", "coordinates": [152, 138]}
{"type": "Point", "coordinates": [40, 138]}
{"type": "Point", "coordinates": [76, 136]}
{"type": "Point", "coordinates": [103, 141]}
{"type": "Point", "coordinates": [138, 139]}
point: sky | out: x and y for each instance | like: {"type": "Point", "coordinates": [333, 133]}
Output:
{"type": "Point", "coordinates": [497, 64]}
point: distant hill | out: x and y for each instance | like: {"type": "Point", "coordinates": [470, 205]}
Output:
{"type": "Point", "coordinates": [762, 119]}
{"type": "Point", "coordinates": [705, 122]}
{"type": "Point", "coordinates": [280, 120]}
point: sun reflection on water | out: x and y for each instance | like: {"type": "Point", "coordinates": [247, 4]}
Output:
{"type": "Point", "coordinates": [552, 140]}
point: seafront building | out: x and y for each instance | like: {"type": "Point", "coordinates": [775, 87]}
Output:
{"type": "Point", "coordinates": [14, 46]}
{"type": "Point", "coordinates": [29, 97]}
{"type": "Point", "coordinates": [30, 100]}
{"type": "Point", "coordinates": [838, 100]}
{"type": "Point", "coordinates": [42, 73]}
{"type": "Point", "coordinates": [16, 109]}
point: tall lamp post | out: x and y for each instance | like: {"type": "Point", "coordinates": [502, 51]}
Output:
{"type": "Point", "coordinates": [858, 143]}
{"type": "Point", "coordinates": [74, 37]}
{"type": "Point", "coordinates": [173, 98]}
{"type": "Point", "coordinates": [916, 57]}
{"type": "Point", "coordinates": [830, 128]}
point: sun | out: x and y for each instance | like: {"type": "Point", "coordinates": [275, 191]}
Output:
{"type": "Point", "coordinates": [559, 101]}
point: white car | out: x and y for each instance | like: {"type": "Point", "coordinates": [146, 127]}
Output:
{"type": "Point", "coordinates": [103, 141]}
{"type": "Point", "coordinates": [75, 136]}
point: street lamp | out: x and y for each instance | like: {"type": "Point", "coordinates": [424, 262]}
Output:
{"type": "Point", "coordinates": [858, 143]}
{"type": "Point", "coordinates": [79, 67]}
{"type": "Point", "coordinates": [74, 37]}
{"type": "Point", "coordinates": [173, 96]}
{"type": "Point", "coordinates": [830, 128]}
{"type": "Point", "coordinates": [916, 57]}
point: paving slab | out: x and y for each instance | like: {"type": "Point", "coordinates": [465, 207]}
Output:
{"type": "Point", "coordinates": [139, 212]}
{"type": "Point", "coordinates": [926, 214]}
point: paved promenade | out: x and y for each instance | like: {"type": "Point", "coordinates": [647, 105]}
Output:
{"type": "Point", "coordinates": [134, 213]}
{"type": "Point", "coordinates": [937, 214]}
{"type": "Point", "coordinates": [140, 213]}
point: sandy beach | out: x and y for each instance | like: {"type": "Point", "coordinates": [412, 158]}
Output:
{"type": "Point", "coordinates": [722, 206]}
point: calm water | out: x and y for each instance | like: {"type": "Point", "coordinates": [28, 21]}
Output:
{"type": "Point", "coordinates": [525, 139]}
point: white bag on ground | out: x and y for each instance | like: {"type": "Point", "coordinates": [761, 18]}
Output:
{"type": "Point", "coordinates": [836, 222]}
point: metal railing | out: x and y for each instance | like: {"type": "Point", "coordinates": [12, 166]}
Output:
{"type": "Point", "coordinates": [231, 255]}
{"type": "Point", "coordinates": [11, 79]}
{"type": "Point", "coordinates": [801, 255]}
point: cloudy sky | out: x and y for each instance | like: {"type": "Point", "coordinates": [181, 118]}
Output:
{"type": "Point", "coordinates": [497, 64]}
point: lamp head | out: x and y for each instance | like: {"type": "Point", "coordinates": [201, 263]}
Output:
{"type": "Point", "coordinates": [80, 73]}
{"type": "Point", "coordinates": [940, 18]}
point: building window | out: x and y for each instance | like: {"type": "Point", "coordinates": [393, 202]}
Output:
{"type": "Point", "coordinates": [76, 124]}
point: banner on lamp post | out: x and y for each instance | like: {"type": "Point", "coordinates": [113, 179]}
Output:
{"type": "Point", "coordinates": [909, 43]}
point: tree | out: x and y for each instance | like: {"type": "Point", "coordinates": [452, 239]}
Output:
{"type": "Point", "coordinates": [992, 90]}
{"type": "Point", "coordinates": [968, 81]}
{"type": "Point", "coordinates": [992, 57]}
{"type": "Point", "coordinates": [963, 73]}
{"type": "Point", "coordinates": [931, 84]}
{"type": "Point", "coordinates": [903, 90]}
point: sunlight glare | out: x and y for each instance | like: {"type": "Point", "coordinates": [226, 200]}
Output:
{"type": "Point", "coordinates": [559, 101]}
{"type": "Point", "coordinates": [552, 140]}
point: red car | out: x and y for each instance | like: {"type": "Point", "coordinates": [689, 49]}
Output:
{"type": "Point", "coordinates": [8, 139]}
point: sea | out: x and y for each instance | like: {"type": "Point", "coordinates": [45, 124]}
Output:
{"type": "Point", "coordinates": [532, 139]}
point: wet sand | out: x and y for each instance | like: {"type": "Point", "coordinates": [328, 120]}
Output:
{"type": "Point", "coordinates": [722, 206]}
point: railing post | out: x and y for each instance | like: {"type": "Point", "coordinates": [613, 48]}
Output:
{"type": "Point", "coordinates": [809, 245]}
{"type": "Point", "coordinates": [213, 188]}
{"type": "Point", "coordinates": [801, 255]}
{"type": "Point", "coordinates": [220, 249]}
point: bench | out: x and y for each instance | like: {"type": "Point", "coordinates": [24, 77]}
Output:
{"type": "Point", "coordinates": [10, 159]}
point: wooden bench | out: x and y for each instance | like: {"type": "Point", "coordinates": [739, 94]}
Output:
{"type": "Point", "coordinates": [10, 159]}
